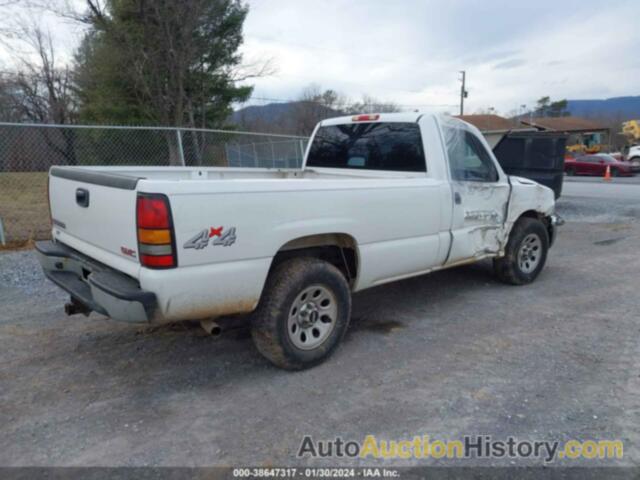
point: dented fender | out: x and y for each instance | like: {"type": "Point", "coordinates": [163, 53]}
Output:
{"type": "Point", "coordinates": [526, 195]}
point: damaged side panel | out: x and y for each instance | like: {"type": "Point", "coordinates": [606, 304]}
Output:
{"type": "Point", "coordinates": [478, 220]}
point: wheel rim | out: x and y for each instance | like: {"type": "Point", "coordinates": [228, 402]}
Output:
{"type": "Point", "coordinates": [530, 253]}
{"type": "Point", "coordinates": [312, 317]}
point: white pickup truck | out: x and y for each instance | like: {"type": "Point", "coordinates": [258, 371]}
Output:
{"type": "Point", "coordinates": [379, 198]}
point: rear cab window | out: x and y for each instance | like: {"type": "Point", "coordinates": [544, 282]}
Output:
{"type": "Point", "coordinates": [391, 146]}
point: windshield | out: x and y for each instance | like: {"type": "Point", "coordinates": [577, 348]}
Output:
{"type": "Point", "coordinates": [390, 146]}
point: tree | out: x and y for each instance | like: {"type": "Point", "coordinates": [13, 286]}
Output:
{"type": "Point", "coordinates": [163, 62]}
{"type": "Point", "coordinates": [546, 108]}
{"type": "Point", "coordinates": [41, 92]}
{"type": "Point", "coordinates": [45, 89]}
{"type": "Point", "coordinates": [370, 104]}
{"type": "Point", "coordinates": [315, 105]}
{"type": "Point", "coordinates": [558, 109]}
{"type": "Point", "coordinates": [542, 105]}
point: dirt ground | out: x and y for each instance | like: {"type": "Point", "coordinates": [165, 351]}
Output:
{"type": "Point", "coordinates": [446, 354]}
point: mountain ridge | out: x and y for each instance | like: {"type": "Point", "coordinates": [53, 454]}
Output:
{"type": "Point", "coordinates": [619, 108]}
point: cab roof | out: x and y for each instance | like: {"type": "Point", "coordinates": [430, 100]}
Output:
{"type": "Point", "coordinates": [404, 117]}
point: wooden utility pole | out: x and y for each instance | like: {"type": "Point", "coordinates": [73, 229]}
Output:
{"type": "Point", "coordinates": [463, 92]}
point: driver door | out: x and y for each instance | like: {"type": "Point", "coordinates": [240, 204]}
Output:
{"type": "Point", "coordinates": [480, 196]}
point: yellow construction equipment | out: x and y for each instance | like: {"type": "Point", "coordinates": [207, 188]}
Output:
{"type": "Point", "coordinates": [631, 131]}
{"type": "Point", "coordinates": [581, 148]}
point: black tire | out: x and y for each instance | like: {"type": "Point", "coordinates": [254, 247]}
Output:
{"type": "Point", "coordinates": [508, 268]}
{"type": "Point", "coordinates": [270, 321]}
{"type": "Point", "coordinates": [614, 172]}
{"type": "Point", "coordinates": [571, 172]}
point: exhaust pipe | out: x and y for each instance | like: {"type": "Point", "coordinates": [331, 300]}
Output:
{"type": "Point", "coordinates": [74, 307]}
{"type": "Point", "coordinates": [211, 327]}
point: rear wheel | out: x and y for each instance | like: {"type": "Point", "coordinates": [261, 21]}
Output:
{"type": "Point", "coordinates": [303, 314]}
{"type": "Point", "coordinates": [525, 254]}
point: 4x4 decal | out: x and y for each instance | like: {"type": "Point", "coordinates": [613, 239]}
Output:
{"type": "Point", "coordinates": [201, 239]}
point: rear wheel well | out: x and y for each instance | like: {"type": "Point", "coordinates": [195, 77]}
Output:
{"type": "Point", "coordinates": [335, 248]}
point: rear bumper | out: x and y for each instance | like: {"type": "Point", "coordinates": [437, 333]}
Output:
{"type": "Point", "coordinates": [94, 285]}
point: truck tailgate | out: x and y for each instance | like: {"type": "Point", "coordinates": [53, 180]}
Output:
{"type": "Point", "coordinates": [95, 213]}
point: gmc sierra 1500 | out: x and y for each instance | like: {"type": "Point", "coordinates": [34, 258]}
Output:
{"type": "Point", "coordinates": [378, 198]}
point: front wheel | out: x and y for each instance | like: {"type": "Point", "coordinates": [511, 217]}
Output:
{"type": "Point", "coordinates": [525, 254]}
{"type": "Point", "coordinates": [303, 313]}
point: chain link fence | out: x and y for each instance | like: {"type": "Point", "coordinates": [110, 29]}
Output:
{"type": "Point", "coordinates": [27, 151]}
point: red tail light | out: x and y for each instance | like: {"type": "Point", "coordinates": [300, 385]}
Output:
{"type": "Point", "coordinates": [157, 261]}
{"type": "Point", "coordinates": [156, 238]}
{"type": "Point", "coordinates": [153, 212]}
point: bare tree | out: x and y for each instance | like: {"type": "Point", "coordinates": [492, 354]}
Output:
{"type": "Point", "coordinates": [41, 91]}
{"type": "Point", "coordinates": [313, 106]}
{"type": "Point", "coordinates": [300, 116]}
{"type": "Point", "coordinates": [370, 104]}
{"type": "Point", "coordinates": [45, 87]}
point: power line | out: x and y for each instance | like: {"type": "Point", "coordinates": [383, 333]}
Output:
{"type": "Point", "coordinates": [380, 102]}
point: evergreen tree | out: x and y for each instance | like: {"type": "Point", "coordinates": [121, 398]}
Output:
{"type": "Point", "coordinates": [161, 62]}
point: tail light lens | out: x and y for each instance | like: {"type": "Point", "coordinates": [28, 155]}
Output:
{"type": "Point", "coordinates": [156, 238]}
{"type": "Point", "coordinates": [365, 118]}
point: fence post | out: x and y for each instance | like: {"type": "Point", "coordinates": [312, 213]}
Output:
{"type": "Point", "coordinates": [301, 153]}
{"type": "Point", "coordinates": [273, 155]}
{"type": "Point", "coordinates": [180, 150]}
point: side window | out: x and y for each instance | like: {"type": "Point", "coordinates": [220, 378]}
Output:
{"type": "Point", "coordinates": [468, 159]}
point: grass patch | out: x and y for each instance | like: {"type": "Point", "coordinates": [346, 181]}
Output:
{"type": "Point", "coordinates": [23, 207]}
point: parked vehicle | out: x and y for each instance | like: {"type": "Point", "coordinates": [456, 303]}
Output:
{"type": "Point", "coordinates": [633, 155]}
{"type": "Point", "coordinates": [379, 198]}
{"type": "Point", "coordinates": [597, 165]}
{"type": "Point", "coordinates": [538, 156]}
{"type": "Point", "coordinates": [618, 156]}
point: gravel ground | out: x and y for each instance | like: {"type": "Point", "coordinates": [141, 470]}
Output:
{"type": "Point", "coordinates": [446, 354]}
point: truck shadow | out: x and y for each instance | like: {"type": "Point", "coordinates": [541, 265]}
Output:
{"type": "Point", "coordinates": [389, 307]}
{"type": "Point", "coordinates": [90, 361]}
{"type": "Point", "coordinates": [381, 310]}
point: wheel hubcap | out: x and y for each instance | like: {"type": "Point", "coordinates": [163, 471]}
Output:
{"type": "Point", "coordinates": [312, 317]}
{"type": "Point", "coordinates": [530, 253]}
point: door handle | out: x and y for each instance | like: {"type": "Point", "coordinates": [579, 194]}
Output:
{"type": "Point", "coordinates": [82, 197]}
{"type": "Point", "coordinates": [457, 198]}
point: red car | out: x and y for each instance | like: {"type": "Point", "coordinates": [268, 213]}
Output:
{"type": "Point", "coordinates": [597, 165]}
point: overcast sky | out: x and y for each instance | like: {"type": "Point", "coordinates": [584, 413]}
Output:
{"type": "Point", "coordinates": [410, 51]}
